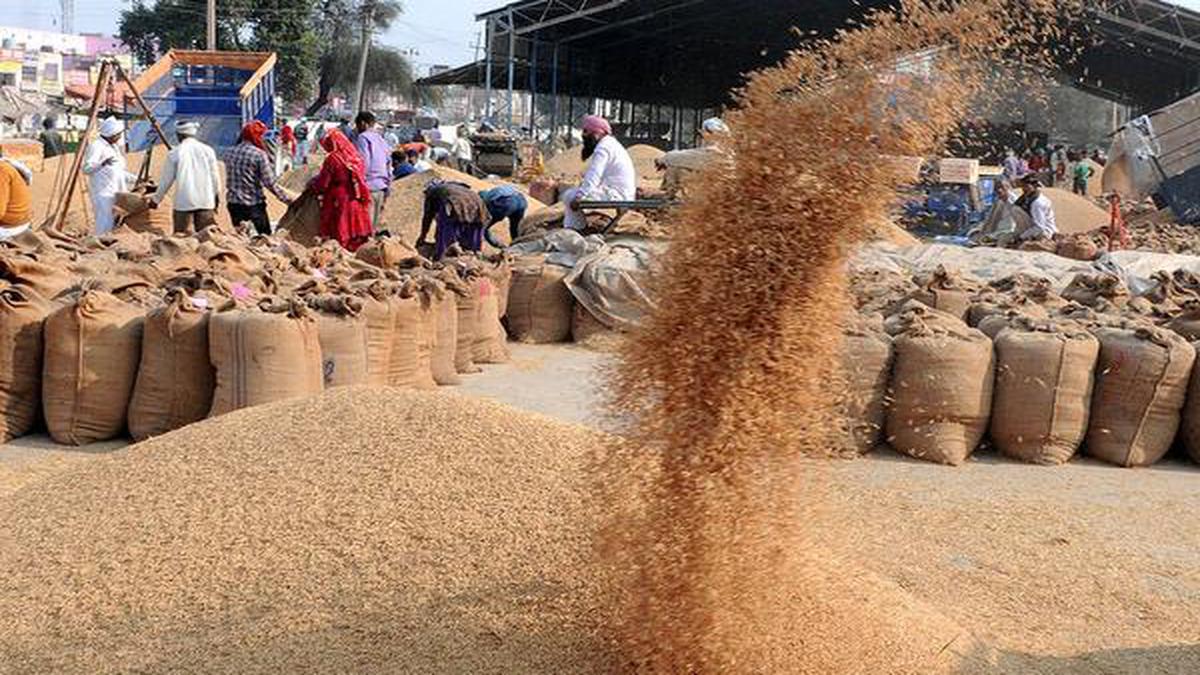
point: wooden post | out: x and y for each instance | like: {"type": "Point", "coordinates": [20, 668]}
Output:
{"type": "Point", "coordinates": [137, 96]}
{"type": "Point", "coordinates": [77, 165]}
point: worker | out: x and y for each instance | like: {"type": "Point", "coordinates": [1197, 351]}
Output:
{"type": "Point", "coordinates": [1015, 168]}
{"type": "Point", "coordinates": [247, 171]}
{"type": "Point", "coordinates": [287, 140]}
{"type": "Point", "coordinates": [191, 167]}
{"type": "Point", "coordinates": [676, 164]}
{"type": "Point", "coordinates": [461, 150]}
{"type": "Point", "coordinates": [104, 165]}
{"type": "Point", "coordinates": [16, 199]}
{"type": "Point", "coordinates": [377, 160]}
{"type": "Point", "coordinates": [1005, 219]}
{"type": "Point", "coordinates": [1058, 165]}
{"type": "Point", "coordinates": [52, 142]}
{"type": "Point", "coordinates": [416, 154]}
{"type": "Point", "coordinates": [342, 189]}
{"type": "Point", "coordinates": [403, 163]}
{"type": "Point", "coordinates": [1040, 210]}
{"type": "Point", "coordinates": [301, 134]}
{"type": "Point", "coordinates": [461, 217]}
{"type": "Point", "coordinates": [609, 176]}
{"type": "Point", "coordinates": [504, 201]}
{"type": "Point", "coordinates": [1081, 173]}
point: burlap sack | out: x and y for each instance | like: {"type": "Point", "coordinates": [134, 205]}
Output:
{"type": "Point", "coordinates": [386, 252]}
{"type": "Point", "coordinates": [912, 310]}
{"type": "Point", "coordinates": [1187, 322]}
{"type": "Point", "coordinates": [1189, 430]}
{"type": "Point", "coordinates": [303, 219]}
{"type": "Point", "coordinates": [1098, 291]}
{"type": "Point", "coordinates": [445, 344]}
{"type": "Point", "coordinates": [410, 358]}
{"type": "Point", "coordinates": [92, 349]}
{"type": "Point", "coordinates": [945, 291]}
{"type": "Point", "coordinates": [941, 391]}
{"type": "Point", "coordinates": [264, 353]}
{"type": "Point", "coordinates": [175, 379]}
{"type": "Point", "coordinates": [379, 313]}
{"type": "Point", "coordinates": [47, 277]}
{"type": "Point", "coordinates": [1044, 378]}
{"type": "Point", "coordinates": [342, 333]}
{"type": "Point", "coordinates": [539, 303]}
{"type": "Point", "coordinates": [490, 344]}
{"type": "Point", "coordinates": [585, 325]}
{"type": "Point", "coordinates": [22, 312]}
{"type": "Point", "coordinates": [468, 328]}
{"type": "Point", "coordinates": [1141, 385]}
{"type": "Point", "coordinates": [866, 367]}
{"type": "Point", "coordinates": [135, 213]}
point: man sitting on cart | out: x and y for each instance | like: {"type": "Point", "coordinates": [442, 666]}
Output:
{"type": "Point", "coordinates": [610, 174]}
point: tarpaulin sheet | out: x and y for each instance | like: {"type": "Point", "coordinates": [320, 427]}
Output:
{"type": "Point", "coordinates": [611, 283]}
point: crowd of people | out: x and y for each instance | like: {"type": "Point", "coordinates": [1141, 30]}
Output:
{"type": "Point", "coordinates": [1058, 166]}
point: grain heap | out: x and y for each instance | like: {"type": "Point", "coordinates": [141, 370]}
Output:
{"type": "Point", "coordinates": [727, 383]}
{"type": "Point", "coordinates": [151, 333]}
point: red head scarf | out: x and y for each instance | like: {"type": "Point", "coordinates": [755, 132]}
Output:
{"type": "Point", "coordinates": [343, 155]}
{"type": "Point", "coordinates": [253, 133]}
{"type": "Point", "coordinates": [286, 134]}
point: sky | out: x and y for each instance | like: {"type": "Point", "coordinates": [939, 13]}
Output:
{"type": "Point", "coordinates": [440, 31]}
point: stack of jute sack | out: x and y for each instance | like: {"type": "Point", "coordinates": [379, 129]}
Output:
{"type": "Point", "coordinates": [151, 332]}
{"type": "Point", "coordinates": [938, 365]}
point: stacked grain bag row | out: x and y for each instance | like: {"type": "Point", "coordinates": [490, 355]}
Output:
{"type": "Point", "coordinates": [151, 333]}
{"type": "Point", "coordinates": [1041, 374]}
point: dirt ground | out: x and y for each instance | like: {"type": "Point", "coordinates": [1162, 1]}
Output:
{"type": "Point", "coordinates": [1083, 568]}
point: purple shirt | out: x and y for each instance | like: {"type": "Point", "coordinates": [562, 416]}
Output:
{"type": "Point", "coordinates": [377, 157]}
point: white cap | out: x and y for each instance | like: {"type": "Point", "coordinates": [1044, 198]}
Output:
{"type": "Point", "coordinates": [111, 126]}
{"type": "Point", "coordinates": [187, 128]}
{"type": "Point", "coordinates": [714, 125]}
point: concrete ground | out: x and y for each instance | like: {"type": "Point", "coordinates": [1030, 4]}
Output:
{"type": "Point", "coordinates": [1088, 567]}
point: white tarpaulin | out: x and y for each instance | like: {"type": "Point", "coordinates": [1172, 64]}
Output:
{"type": "Point", "coordinates": [612, 282]}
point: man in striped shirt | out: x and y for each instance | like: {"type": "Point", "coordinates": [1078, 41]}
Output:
{"type": "Point", "coordinates": [247, 171]}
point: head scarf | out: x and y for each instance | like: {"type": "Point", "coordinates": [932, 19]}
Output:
{"type": "Point", "coordinates": [286, 134]}
{"type": "Point", "coordinates": [187, 128]}
{"type": "Point", "coordinates": [596, 125]}
{"type": "Point", "coordinates": [111, 126]}
{"type": "Point", "coordinates": [253, 133]}
{"type": "Point", "coordinates": [342, 155]}
{"type": "Point", "coordinates": [714, 125]}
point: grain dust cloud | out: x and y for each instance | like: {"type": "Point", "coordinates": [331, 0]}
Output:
{"type": "Point", "coordinates": [725, 388]}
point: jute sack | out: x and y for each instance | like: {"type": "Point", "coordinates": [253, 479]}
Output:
{"type": "Point", "coordinates": [175, 379]}
{"type": "Point", "coordinates": [501, 274]}
{"type": "Point", "coordinates": [1189, 430]}
{"type": "Point", "coordinates": [303, 219]}
{"type": "Point", "coordinates": [490, 338]}
{"type": "Point", "coordinates": [47, 277]}
{"type": "Point", "coordinates": [866, 367]}
{"type": "Point", "coordinates": [379, 314]}
{"type": "Point", "coordinates": [468, 327]}
{"type": "Point", "coordinates": [386, 252]}
{"type": "Point", "coordinates": [410, 363]}
{"type": "Point", "coordinates": [539, 303]}
{"type": "Point", "coordinates": [584, 325]}
{"type": "Point", "coordinates": [1044, 378]}
{"type": "Point", "coordinates": [445, 311]}
{"type": "Point", "coordinates": [941, 391]}
{"type": "Point", "coordinates": [342, 333]}
{"type": "Point", "coordinates": [22, 312]}
{"type": "Point", "coordinates": [92, 349]}
{"type": "Point", "coordinates": [945, 291]}
{"type": "Point", "coordinates": [913, 310]}
{"type": "Point", "coordinates": [263, 353]}
{"type": "Point", "coordinates": [1187, 322]}
{"type": "Point", "coordinates": [1141, 385]}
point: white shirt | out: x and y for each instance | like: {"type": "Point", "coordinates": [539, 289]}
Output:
{"type": "Point", "coordinates": [1041, 211]}
{"type": "Point", "coordinates": [192, 168]}
{"type": "Point", "coordinates": [106, 181]}
{"type": "Point", "coordinates": [610, 168]}
{"type": "Point", "coordinates": [462, 149]}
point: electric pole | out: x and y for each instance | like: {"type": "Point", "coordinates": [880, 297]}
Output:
{"type": "Point", "coordinates": [68, 16]}
{"type": "Point", "coordinates": [212, 25]}
{"type": "Point", "coordinates": [368, 19]}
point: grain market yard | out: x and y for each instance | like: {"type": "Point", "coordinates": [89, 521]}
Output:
{"type": "Point", "coordinates": [1087, 567]}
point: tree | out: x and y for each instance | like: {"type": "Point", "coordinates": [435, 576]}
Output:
{"type": "Point", "coordinates": [286, 28]}
{"type": "Point", "coordinates": [341, 33]}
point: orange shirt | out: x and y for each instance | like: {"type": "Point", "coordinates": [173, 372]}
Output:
{"type": "Point", "coordinates": [15, 199]}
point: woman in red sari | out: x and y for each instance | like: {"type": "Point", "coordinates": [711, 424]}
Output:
{"type": "Point", "coordinates": [342, 188]}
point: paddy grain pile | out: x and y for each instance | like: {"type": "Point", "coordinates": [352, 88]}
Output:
{"type": "Point", "coordinates": [727, 385]}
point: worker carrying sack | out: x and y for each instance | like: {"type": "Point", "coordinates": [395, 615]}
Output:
{"type": "Point", "coordinates": [263, 353]}
{"type": "Point", "coordinates": [941, 391]}
{"type": "Point", "coordinates": [539, 303]}
{"type": "Point", "coordinates": [1044, 378]}
{"type": "Point", "coordinates": [92, 349]}
{"type": "Point", "coordinates": [22, 313]}
{"type": "Point", "coordinates": [1141, 385]}
{"type": "Point", "coordinates": [866, 367]}
{"type": "Point", "coordinates": [175, 379]}
{"type": "Point", "coordinates": [342, 333]}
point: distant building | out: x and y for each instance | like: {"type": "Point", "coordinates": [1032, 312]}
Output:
{"type": "Point", "coordinates": [48, 63]}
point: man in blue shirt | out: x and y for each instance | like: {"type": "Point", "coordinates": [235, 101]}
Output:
{"type": "Point", "coordinates": [503, 202]}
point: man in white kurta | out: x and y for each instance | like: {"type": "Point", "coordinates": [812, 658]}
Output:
{"type": "Point", "coordinates": [104, 165]}
{"type": "Point", "coordinates": [610, 174]}
{"type": "Point", "coordinates": [191, 168]}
